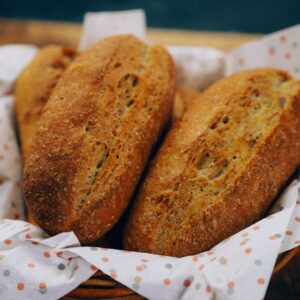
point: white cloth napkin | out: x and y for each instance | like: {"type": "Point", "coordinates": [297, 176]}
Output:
{"type": "Point", "coordinates": [98, 26]}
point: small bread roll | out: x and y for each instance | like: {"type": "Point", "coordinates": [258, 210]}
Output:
{"type": "Point", "coordinates": [183, 98]}
{"type": "Point", "coordinates": [220, 166]}
{"type": "Point", "coordinates": [34, 87]}
{"type": "Point", "coordinates": [95, 135]}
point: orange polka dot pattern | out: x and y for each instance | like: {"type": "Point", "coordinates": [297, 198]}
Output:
{"type": "Point", "coordinates": [278, 50]}
{"type": "Point", "coordinates": [11, 204]}
{"type": "Point", "coordinates": [12, 61]}
{"type": "Point", "coordinates": [36, 266]}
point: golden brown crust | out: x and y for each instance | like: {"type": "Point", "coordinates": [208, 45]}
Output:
{"type": "Point", "coordinates": [220, 166]}
{"type": "Point", "coordinates": [34, 87]}
{"type": "Point", "coordinates": [95, 136]}
{"type": "Point", "coordinates": [183, 99]}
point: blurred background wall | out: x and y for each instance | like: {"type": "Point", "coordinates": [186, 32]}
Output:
{"type": "Point", "coordinates": [261, 16]}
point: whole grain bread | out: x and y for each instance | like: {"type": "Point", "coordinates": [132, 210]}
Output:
{"type": "Point", "coordinates": [95, 135]}
{"type": "Point", "coordinates": [34, 87]}
{"type": "Point", "coordinates": [221, 166]}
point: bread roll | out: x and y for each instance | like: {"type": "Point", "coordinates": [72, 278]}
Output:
{"type": "Point", "coordinates": [95, 135]}
{"type": "Point", "coordinates": [183, 98]}
{"type": "Point", "coordinates": [34, 87]}
{"type": "Point", "coordinates": [221, 166]}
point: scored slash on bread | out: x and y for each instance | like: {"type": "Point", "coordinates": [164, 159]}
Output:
{"type": "Point", "coordinates": [220, 166]}
{"type": "Point", "coordinates": [95, 135]}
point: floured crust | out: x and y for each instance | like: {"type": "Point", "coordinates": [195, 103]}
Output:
{"type": "Point", "coordinates": [34, 87]}
{"type": "Point", "coordinates": [219, 167]}
{"type": "Point", "coordinates": [95, 136]}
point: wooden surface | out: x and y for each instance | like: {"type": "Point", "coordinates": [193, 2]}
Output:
{"type": "Point", "coordinates": [286, 284]}
{"type": "Point", "coordinates": [43, 33]}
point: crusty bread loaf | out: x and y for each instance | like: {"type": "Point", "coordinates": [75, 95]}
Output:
{"type": "Point", "coordinates": [34, 87]}
{"type": "Point", "coordinates": [220, 166]}
{"type": "Point", "coordinates": [95, 135]}
{"type": "Point", "coordinates": [183, 98]}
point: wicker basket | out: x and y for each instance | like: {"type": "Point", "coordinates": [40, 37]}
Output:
{"type": "Point", "coordinates": [101, 286]}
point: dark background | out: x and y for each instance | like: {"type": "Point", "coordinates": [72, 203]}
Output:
{"type": "Point", "coordinates": [234, 15]}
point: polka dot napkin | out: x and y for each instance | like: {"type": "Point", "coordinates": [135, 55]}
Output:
{"type": "Point", "coordinates": [36, 266]}
{"type": "Point", "coordinates": [279, 50]}
{"type": "Point", "coordinates": [12, 60]}
{"type": "Point", "coordinates": [11, 203]}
